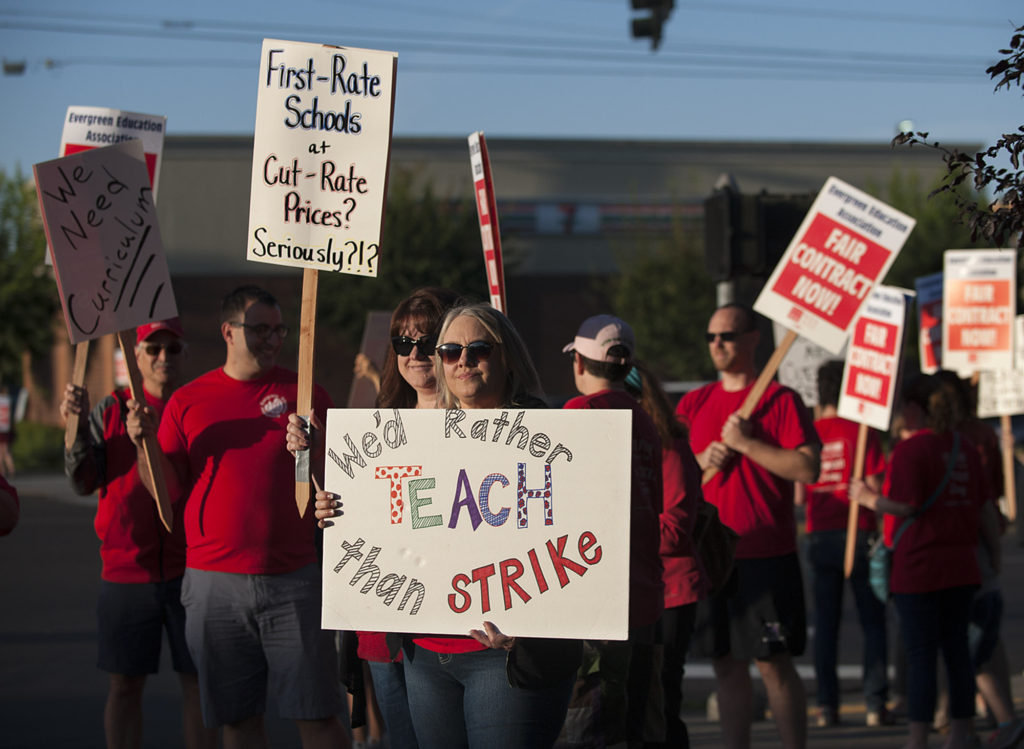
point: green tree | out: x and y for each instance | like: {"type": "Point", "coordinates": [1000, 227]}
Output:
{"type": "Point", "coordinates": [28, 299]}
{"type": "Point", "coordinates": [427, 241]}
{"type": "Point", "coordinates": [666, 294]}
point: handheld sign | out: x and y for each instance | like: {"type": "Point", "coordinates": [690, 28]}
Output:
{"type": "Point", "coordinates": [929, 307]}
{"type": "Point", "coordinates": [320, 156]}
{"type": "Point", "coordinates": [978, 307]}
{"type": "Point", "coordinates": [100, 222]}
{"type": "Point", "coordinates": [86, 128]}
{"type": "Point", "coordinates": [456, 517]}
{"type": "Point", "coordinates": [487, 213]}
{"type": "Point", "coordinates": [845, 245]}
{"type": "Point", "coordinates": [1001, 393]}
{"type": "Point", "coordinates": [868, 390]}
{"type": "Point", "coordinates": [799, 370]}
{"type": "Point", "coordinates": [319, 176]}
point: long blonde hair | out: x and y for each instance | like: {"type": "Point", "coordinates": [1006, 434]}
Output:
{"type": "Point", "coordinates": [521, 380]}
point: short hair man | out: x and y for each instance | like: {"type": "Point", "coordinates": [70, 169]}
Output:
{"type": "Point", "coordinates": [252, 582]}
{"type": "Point", "coordinates": [602, 353]}
{"type": "Point", "coordinates": [762, 615]}
{"type": "Point", "coordinates": [140, 593]}
{"type": "Point", "coordinates": [827, 511]}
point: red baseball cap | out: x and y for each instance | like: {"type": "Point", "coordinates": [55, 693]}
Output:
{"type": "Point", "coordinates": [172, 324]}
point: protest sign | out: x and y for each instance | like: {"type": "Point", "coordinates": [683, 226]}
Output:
{"type": "Point", "coordinates": [455, 517]}
{"type": "Point", "coordinates": [873, 360]}
{"type": "Point", "coordinates": [929, 321]}
{"type": "Point", "coordinates": [799, 370]}
{"type": "Point", "coordinates": [845, 245]}
{"type": "Point", "coordinates": [978, 307]}
{"type": "Point", "coordinates": [487, 214]}
{"type": "Point", "coordinates": [320, 156]}
{"type": "Point", "coordinates": [1001, 391]}
{"type": "Point", "coordinates": [101, 224]}
{"type": "Point", "coordinates": [86, 128]}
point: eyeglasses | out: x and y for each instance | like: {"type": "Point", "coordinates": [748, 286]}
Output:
{"type": "Point", "coordinates": [450, 353]}
{"type": "Point", "coordinates": [727, 336]}
{"type": "Point", "coordinates": [402, 344]}
{"type": "Point", "coordinates": [262, 330]}
{"type": "Point", "coordinates": [172, 349]}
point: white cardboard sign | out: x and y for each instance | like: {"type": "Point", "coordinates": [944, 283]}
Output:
{"type": "Point", "coordinates": [86, 128]}
{"type": "Point", "coordinates": [101, 225]}
{"type": "Point", "coordinates": [320, 156]}
{"type": "Point", "coordinates": [1001, 391]}
{"type": "Point", "coordinates": [455, 517]}
{"type": "Point", "coordinates": [929, 321]}
{"type": "Point", "coordinates": [873, 359]}
{"type": "Point", "coordinates": [799, 370]}
{"type": "Point", "coordinates": [978, 307]}
{"type": "Point", "coordinates": [845, 245]}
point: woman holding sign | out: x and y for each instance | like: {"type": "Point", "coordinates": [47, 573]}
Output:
{"type": "Point", "coordinates": [459, 687]}
{"type": "Point", "coordinates": [933, 500]}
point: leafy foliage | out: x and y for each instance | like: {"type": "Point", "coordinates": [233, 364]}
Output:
{"type": "Point", "coordinates": [28, 298]}
{"type": "Point", "coordinates": [1002, 220]}
{"type": "Point", "coordinates": [427, 241]}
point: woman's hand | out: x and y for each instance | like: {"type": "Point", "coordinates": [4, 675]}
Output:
{"type": "Point", "coordinates": [328, 506]}
{"type": "Point", "coordinates": [296, 433]}
{"type": "Point", "coordinates": [492, 637]}
{"type": "Point", "coordinates": [859, 492]}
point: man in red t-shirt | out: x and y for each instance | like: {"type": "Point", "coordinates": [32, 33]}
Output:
{"type": "Point", "coordinates": [252, 590]}
{"type": "Point", "coordinates": [759, 615]}
{"type": "Point", "coordinates": [827, 511]}
{"type": "Point", "coordinates": [140, 593]}
{"type": "Point", "coordinates": [602, 354]}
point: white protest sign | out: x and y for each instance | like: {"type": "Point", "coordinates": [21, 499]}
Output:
{"type": "Point", "coordinates": [320, 156]}
{"type": "Point", "coordinates": [978, 307]}
{"type": "Point", "coordinates": [845, 245]}
{"type": "Point", "coordinates": [101, 224]}
{"type": "Point", "coordinates": [86, 128]}
{"type": "Point", "coordinates": [456, 517]}
{"type": "Point", "coordinates": [799, 369]}
{"type": "Point", "coordinates": [873, 359]}
{"type": "Point", "coordinates": [929, 321]}
{"type": "Point", "coordinates": [1001, 391]}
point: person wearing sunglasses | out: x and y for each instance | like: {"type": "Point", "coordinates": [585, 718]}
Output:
{"type": "Point", "coordinates": [143, 564]}
{"type": "Point", "coordinates": [760, 615]}
{"type": "Point", "coordinates": [252, 585]}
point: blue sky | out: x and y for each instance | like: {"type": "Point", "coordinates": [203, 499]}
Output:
{"type": "Point", "coordinates": [726, 69]}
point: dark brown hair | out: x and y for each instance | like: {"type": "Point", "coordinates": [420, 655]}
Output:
{"type": "Point", "coordinates": [654, 400]}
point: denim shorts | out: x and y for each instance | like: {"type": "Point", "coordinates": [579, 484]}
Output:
{"type": "Point", "coordinates": [131, 619]}
{"type": "Point", "coordinates": [252, 633]}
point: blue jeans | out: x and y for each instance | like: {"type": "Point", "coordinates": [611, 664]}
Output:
{"type": "Point", "coordinates": [825, 552]}
{"type": "Point", "coordinates": [464, 700]}
{"type": "Point", "coordinates": [393, 700]}
{"type": "Point", "coordinates": [930, 622]}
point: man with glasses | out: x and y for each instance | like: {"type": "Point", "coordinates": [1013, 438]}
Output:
{"type": "Point", "coordinates": [252, 582]}
{"type": "Point", "coordinates": [760, 614]}
{"type": "Point", "coordinates": [140, 593]}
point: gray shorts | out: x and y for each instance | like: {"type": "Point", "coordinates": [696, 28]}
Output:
{"type": "Point", "coordinates": [250, 632]}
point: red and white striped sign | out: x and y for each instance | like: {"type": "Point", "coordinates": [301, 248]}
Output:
{"type": "Point", "coordinates": [487, 211]}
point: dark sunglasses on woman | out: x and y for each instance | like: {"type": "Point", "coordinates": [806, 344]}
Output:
{"type": "Point", "coordinates": [402, 344]}
{"type": "Point", "coordinates": [450, 353]}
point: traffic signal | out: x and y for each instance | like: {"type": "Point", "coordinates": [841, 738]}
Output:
{"type": "Point", "coordinates": [650, 25]}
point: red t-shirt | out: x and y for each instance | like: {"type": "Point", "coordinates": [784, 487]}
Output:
{"type": "Point", "coordinates": [752, 501]}
{"type": "Point", "coordinates": [646, 589]}
{"type": "Point", "coordinates": [684, 576]}
{"type": "Point", "coordinates": [226, 438]}
{"type": "Point", "coordinates": [937, 550]}
{"type": "Point", "coordinates": [828, 507]}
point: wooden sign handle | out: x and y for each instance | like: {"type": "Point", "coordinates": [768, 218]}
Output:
{"type": "Point", "coordinates": [78, 380]}
{"type": "Point", "coordinates": [1009, 464]}
{"type": "Point", "coordinates": [304, 398]}
{"type": "Point", "coordinates": [760, 385]}
{"type": "Point", "coordinates": [851, 523]}
{"type": "Point", "coordinates": [154, 456]}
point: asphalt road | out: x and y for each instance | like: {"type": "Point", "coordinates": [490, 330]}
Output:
{"type": "Point", "coordinates": [52, 695]}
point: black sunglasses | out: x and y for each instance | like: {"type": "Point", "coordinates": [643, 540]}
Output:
{"type": "Point", "coordinates": [450, 353]}
{"type": "Point", "coordinates": [727, 337]}
{"type": "Point", "coordinates": [172, 349]}
{"type": "Point", "coordinates": [262, 330]}
{"type": "Point", "coordinates": [402, 344]}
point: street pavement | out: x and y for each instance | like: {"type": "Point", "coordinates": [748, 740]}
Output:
{"type": "Point", "coordinates": [52, 695]}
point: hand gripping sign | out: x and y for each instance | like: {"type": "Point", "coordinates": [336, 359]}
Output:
{"type": "Point", "coordinates": [455, 517]}
{"type": "Point", "coordinates": [112, 276]}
